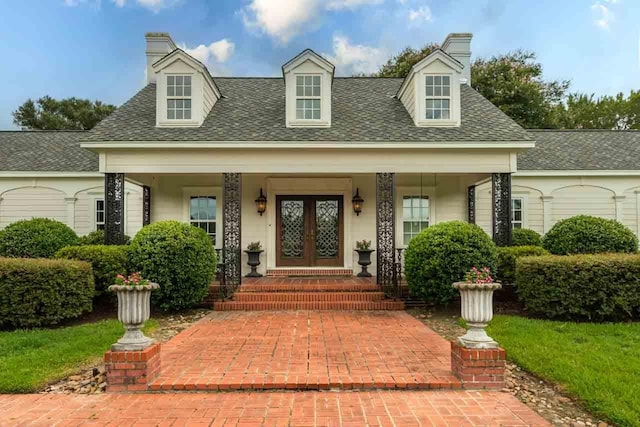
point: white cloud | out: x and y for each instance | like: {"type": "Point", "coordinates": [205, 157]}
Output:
{"type": "Point", "coordinates": [603, 16]}
{"type": "Point", "coordinates": [284, 19]}
{"type": "Point", "coordinates": [219, 51]}
{"type": "Point", "coordinates": [153, 5]}
{"type": "Point", "coordinates": [421, 14]}
{"type": "Point", "coordinates": [355, 58]}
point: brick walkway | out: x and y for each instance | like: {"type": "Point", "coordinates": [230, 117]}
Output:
{"type": "Point", "coordinates": [306, 350]}
{"type": "Point", "coordinates": [374, 408]}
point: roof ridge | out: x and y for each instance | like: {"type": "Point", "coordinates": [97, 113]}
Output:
{"type": "Point", "coordinates": [42, 130]}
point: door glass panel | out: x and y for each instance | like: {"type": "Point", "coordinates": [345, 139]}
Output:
{"type": "Point", "coordinates": [327, 229]}
{"type": "Point", "coordinates": [292, 228]}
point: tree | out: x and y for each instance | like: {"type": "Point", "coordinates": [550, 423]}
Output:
{"type": "Point", "coordinates": [399, 65]}
{"type": "Point", "coordinates": [513, 82]}
{"type": "Point", "coordinates": [66, 114]}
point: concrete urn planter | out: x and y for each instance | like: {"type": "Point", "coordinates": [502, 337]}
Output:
{"type": "Point", "coordinates": [253, 261]}
{"type": "Point", "coordinates": [134, 308]}
{"type": "Point", "coordinates": [364, 261]}
{"type": "Point", "coordinates": [477, 311]}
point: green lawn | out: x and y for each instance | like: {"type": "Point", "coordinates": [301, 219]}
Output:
{"type": "Point", "coordinates": [31, 359]}
{"type": "Point", "coordinates": [599, 363]}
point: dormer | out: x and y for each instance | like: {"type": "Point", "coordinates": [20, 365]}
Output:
{"type": "Point", "coordinates": [185, 91]}
{"type": "Point", "coordinates": [431, 90]}
{"type": "Point", "coordinates": [308, 78]}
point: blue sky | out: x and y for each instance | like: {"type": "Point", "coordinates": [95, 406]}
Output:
{"type": "Point", "coordinates": [95, 48]}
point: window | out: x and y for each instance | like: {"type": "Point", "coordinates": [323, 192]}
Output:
{"type": "Point", "coordinates": [202, 213]}
{"type": "Point", "coordinates": [179, 97]}
{"type": "Point", "coordinates": [438, 98]}
{"type": "Point", "coordinates": [517, 213]}
{"type": "Point", "coordinates": [99, 214]}
{"type": "Point", "coordinates": [415, 216]}
{"type": "Point", "coordinates": [308, 97]}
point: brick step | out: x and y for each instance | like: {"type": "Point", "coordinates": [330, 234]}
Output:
{"type": "Point", "coordinates": [308, 305]}
{"type": "Point", "coordinates": [309, 272]}
{"type": "Point", "coordinates": [307, 296]}
{"type": "Point", "coordinates": [345, 286]}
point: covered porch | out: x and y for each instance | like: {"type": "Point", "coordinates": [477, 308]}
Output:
{"type": "Point", "coordinates": [307, 223]}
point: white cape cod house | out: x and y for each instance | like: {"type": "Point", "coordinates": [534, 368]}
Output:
{"type": "Point", "coordinates": [284, 161]}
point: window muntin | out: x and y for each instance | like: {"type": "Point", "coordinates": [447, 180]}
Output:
{"type": "Point", "coordinates": [415, 216]}
{"type": "Point", "coordinates": [437, 97]}
{"type": "Point", "coordinates": [100, 214]}
{"type": "Point", "coordinates": [308, 98]}
{"type": "Point", "coordinates": [202, 213]}
{"type": "Point", "coordinates": [517, 212]}
{"type": "Point", "coordinates": [179, 97]}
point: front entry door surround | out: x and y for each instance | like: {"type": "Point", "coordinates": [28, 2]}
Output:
{"type": "Point", "coordinates": [309, 231]}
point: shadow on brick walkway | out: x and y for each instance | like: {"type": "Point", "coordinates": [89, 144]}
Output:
{"type": "Point", "coordinates": [306, 350]}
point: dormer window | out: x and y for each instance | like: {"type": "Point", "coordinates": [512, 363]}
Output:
{"type": "Point", "coordinates": [437, 97]}
{"type": "Point", "coordinates": [179, 97]}
{"type": "Point", "coordinates": [308, 97]}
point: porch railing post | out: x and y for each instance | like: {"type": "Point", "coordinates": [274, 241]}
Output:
{"type": "Point", "coordinates": [471, 204]}
{"type": "Point", "coordinates": [385, 229]}
{"type": "Point", "coordinates": [501, 198]}
{"type": "Point", "coordinates": [146, 205]}
{"type": "Point", "coordinates": [231, 229]}
{"type": "Point", "coordinates": [114, 208]}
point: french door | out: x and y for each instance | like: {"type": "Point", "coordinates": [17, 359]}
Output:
{"type": "Point", "coordinates": [309, 231]}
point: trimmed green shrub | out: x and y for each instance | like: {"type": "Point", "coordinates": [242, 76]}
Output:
{"type": "Point", "coordinates": [507, 260]}
{"type": "Point", "coordinates": [106, 261]}
{"type": "Point", "coordinates": [179, 257]}
{"type": "Point", "coordinates": [525, 237]}
{"type": "Point", "coordinates": [585, 234]}
{"type": "Point", "coordinates": [580, 287]}
{"type": "Point", "coordinates": [35, 238]}
{"type": "Point", "coordinates": [43, 292]}
{"type": "Point", "coordinates": [97, 238]}
{"type": "Point", "coordinates": [441, 255]}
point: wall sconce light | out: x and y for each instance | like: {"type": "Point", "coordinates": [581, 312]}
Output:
{"type": "Point", "coordinates": [357, 202]}
{"type": "Point", "coordinates": [261, 203]}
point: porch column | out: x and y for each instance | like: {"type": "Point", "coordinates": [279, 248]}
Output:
{"type": "Point", "coordinates": [70, 203]}
{"type": "Point", "coordinates": [231, 221]}
{"type": "Point", "coordinates": [385, 226]}
{"type": "Point", "coordinates": [547, 217]}
{"type": "Point", "coordinates": [619, 199]}
{"type": "Point", "coordinates": [501, 197]}
{"type": "Point", "coordinates": [114, 208]}
{"type": "Point", "coordinates": [146, 205]}
{"type": "Point", "coordinates": [471, 204]}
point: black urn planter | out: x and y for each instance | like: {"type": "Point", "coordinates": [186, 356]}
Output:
{"type": "Point", "coordinates": [253, 261]}
{"type": "Point", "coordinates": [364, 260]}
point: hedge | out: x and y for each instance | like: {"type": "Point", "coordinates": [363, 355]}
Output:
{"type": "Point", "coordinates": [525, 237]}
{"type": "Point", "coordinates": [179, 257]}
{"type": "Point", "coordinates": [442, 254]}
{"type": "Point", "coordinates": [585, 234]}
{"type": "Point", "coordinates": [35, 238]}
{"type": "Point", "coordinates": [97, 238]}
{"type": "Point", "coordinates": [43, 292]}
{"type": "Point", "coordinates": [580, 287]}
{"type": "Point", "coordinates": [507, 260]}
{"type": "Point", "coordinates": [106, 261]}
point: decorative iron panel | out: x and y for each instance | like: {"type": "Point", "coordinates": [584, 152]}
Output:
{"type": "Point", "coordinates": [231, 230]}
{"type": "Point", "coordinates": [114, 208]}
{"type": "Point", "coordinates": [146, 205]}
{"type": "Point", "coordinates": [501, 198]}
{"type": "Point", "coordinates": [385, 227]}
{"type": "Point", "coordinates": [327, 228]}
{"type": "Point", "coordinates": [292, 228]}
{"type": "Point", "coordinates": [471, 204]}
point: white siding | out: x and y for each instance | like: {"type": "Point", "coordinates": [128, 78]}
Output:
{"type": "Point", "coordinates": [66, 199]}
{"type": "Point", "coordinates": [583, 200]}
{"type": "Point", "coordinates": [31, 202]}
{"type": "Point", "coordinates": [408, 97]}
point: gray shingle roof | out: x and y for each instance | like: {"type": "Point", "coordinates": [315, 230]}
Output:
{"type": "Point", "coordinates": [363, 109]}
{"type": "Point", "coordinates": [45, 151]}
{"type": "Point", "coordinates": [582, 150]}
